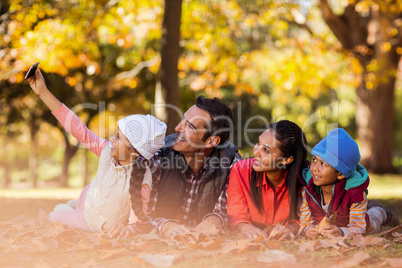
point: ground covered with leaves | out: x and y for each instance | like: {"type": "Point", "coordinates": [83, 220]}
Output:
{"type": "Point", "coordinates": [35, 242]}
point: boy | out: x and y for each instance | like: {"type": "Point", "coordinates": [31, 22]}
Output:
{"type": "Point", "coordinates": [336, 182]}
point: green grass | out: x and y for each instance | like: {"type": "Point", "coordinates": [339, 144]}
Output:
{"type": "Point", "coordinates": [385, 186]}
{"type": "Point", "coordinates": [381, 187]}
{"type": "Point", "coordinates": [42, 193]}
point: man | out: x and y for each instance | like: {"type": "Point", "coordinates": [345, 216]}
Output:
{"type": "Point", "coordinates": [190, 173]}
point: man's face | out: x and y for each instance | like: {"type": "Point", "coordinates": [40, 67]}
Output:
{"type": "Point", "coordinates": [190, 131]}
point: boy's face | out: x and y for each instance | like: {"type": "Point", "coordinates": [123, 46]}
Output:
{"type": "Point", "coordinates": [322, 173]}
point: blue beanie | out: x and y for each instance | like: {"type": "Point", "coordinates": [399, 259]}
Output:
{"type": "Point", "coordinates": [339, 150]}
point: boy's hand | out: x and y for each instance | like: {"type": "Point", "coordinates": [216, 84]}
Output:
{"type": "Point", "coordinates": [332, 230]}
{"type": "Point", "coordinates": [312, 231]}
{"type": "Point", "coordinates": [37, 82]}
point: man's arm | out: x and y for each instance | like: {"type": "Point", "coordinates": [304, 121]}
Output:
{"type": "Point", "coordinates": [219, 216]}
{"type": "Point", "coordinates": [161, 225]}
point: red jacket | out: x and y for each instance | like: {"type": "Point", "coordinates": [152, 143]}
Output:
{"type": "Point", "coordinates": [240, 205]}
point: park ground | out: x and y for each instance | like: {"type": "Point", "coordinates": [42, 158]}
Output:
{"type": "Point", "coordinates": [27, 239]}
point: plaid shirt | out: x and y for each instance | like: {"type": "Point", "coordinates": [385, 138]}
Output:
{"type": "Point", "coordinates": [192, 182]}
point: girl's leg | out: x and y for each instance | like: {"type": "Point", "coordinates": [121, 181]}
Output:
{"type": "Point", "coordinates": [73, 218]}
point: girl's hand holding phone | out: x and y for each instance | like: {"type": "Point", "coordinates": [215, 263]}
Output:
{"type": "Point", "coordinates": [38, 85]}
{"type": "Point", "coordinates": [37, 82]}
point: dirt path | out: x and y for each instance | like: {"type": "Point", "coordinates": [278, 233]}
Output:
{"type": "Point", "coordinates": [12, 208]}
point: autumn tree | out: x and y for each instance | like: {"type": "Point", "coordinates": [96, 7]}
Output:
{"type": "Point", "coordinates": [167, 94]}
{"type": "Point", "coordinates": [90, 52]}
{"type": "Point", "coordinates": [372, 32]}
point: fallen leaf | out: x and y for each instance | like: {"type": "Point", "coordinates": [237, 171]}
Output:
{"type": "Point", "coordinates": [42, 218]}
{"type": "Point", "coordinates": [391, 231]}
{"type": "Point", "coordinates": [6, 223]}
{"type": "Point", "coordinates": [158, 260]}
{"type": "Point", "coordinates": [110, 254]}
{"type": "Point", "coordinates": [213, 244]}
{"type": "Point", "coordinates": [274, 256]}
{"type": "Point", "coordinates": [5, 243]}
{"type": "Point", "coordinates": [90, 264]}
{"type": "Point", "coordinates": [42, 245]}
{"type": "Point", "coordinates": [101, 243]}
{"type": "Point", "coordinates": [326, 221]}
{"type": "Point", "coordinates": [273, 244]}
{"type": "Point", "coordinates": [206, 228]}
{"type": "Point", "coordinates": [309, 245]}
{"type": "Point", "coordinates": [68, 236]}
{"type": "Point", "coordinates": [187, 239]}
{"type": "Point", "coordinates": [394, 262]}
{"type": "Point", "coordinates": [42, 264]}
{"type": "Point", "coordinates": [361, 241]}
{"type": "Point", "coordinates": [150, 245]}
{"type": "Point", "coordinates": [339, 239]}
{"type": "Point", "coordinates": [260, 238]}
{"type": "Point", "coordinates": [274, 234]}
{"type": "Point", "coordinates": [327, 243]}
{"type": "Point", "coordinates": [357, 258]}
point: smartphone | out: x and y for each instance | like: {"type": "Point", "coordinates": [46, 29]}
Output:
{"type": "Point", "coordinates": [31, 71]}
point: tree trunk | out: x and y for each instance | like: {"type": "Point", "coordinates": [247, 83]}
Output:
{"type": "Point", "coordinates": [167, 97]}
{"type": "Point", "coordinates": [7, 174]}
{"type": "Point", "coordinates": [374, 118]}
{"type": "Point", "coordinates": [68, 155]}
{"type": "Point", "coordinates": [85, 167]}
{"type": "Point", "coordinates": [33, 158]}
{"type": "Point", "coordinates": [33, 165]}
{"type": "Point", "coordinates": [365, 36]}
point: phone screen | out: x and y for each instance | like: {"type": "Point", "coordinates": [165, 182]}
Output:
{"type": "Point", "coordinates": [31, 71]}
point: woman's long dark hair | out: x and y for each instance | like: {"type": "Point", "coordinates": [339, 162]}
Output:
{"type": "Point", "coordinates": [292, 142]}
{"type": "Point", "coordinates": [137, 176]}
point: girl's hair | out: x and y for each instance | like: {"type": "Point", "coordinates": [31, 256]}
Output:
{"type": "Point", "coordinates": [137, 176]}
{"type": "Point", "coordinates": [292, 142]}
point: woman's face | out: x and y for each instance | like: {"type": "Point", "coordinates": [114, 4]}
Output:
{"type": "Point", "coordinates": [268, 156]}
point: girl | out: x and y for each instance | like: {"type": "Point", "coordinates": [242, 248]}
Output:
{"type": "Point", "coordinates": [264, 190]}
{"type": "Point", "coordinates": [122, 169]}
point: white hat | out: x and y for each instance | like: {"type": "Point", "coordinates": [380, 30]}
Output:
{"type": "Point", "coordinates": [145, 133]}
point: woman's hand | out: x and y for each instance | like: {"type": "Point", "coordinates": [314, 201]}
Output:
{"type": "Point", "coordinates": [249, 230]}
{"type": "Point", "coordinates": [37, 82]}
{"type": "Point", "coordinates": [332, 230]}
{"type": "Point", "coordinates": [120, 230]}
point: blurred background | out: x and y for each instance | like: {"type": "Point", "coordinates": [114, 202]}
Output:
{"type": "Point", "coordinates": [321, 63]}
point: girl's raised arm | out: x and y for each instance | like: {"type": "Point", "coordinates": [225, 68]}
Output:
{"type": "Point", "coordinates": [37, 83]}
{"type": "Point", "coordinates": [66, 117]}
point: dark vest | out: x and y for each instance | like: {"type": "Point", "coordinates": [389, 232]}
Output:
{"type": "Point", "coordinates": [342, 201]}
{"type": "Point", "coordinates": [172, 184]}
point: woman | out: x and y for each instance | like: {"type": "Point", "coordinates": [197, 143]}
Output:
{"type": "Point", "coordinates": [264, 190]}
